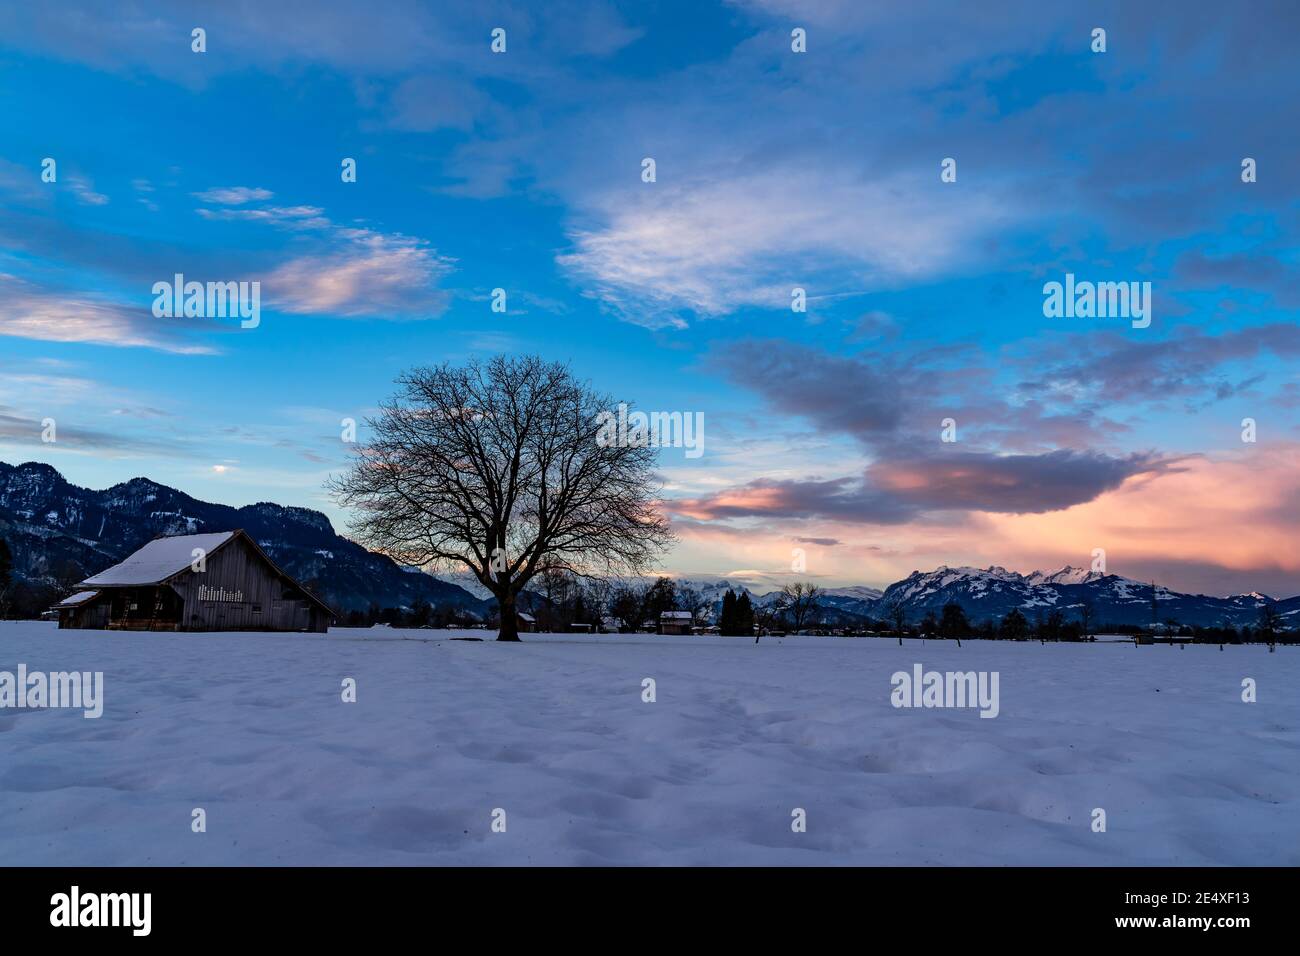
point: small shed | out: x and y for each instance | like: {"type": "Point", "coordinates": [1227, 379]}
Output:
{"type": "Point", "coordinates": [675, 622]}
{"type": "Point", "coordinates": [525, 622]}
{"type": "Point", "coordinates": [195, 582]}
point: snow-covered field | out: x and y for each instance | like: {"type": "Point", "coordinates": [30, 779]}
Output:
{"type": "Point", "coordinates": [252, 728]}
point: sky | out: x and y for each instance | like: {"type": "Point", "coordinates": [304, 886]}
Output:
{"type": "Point", "coordinates": [774, 170]}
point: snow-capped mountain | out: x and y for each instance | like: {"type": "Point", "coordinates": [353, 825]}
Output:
{"type": "Point", "coordinates": [712, 591]}
{"type": "Point", "coordinates": [1067, 575]}
{"type": "Point", "coordinates": [975, 589]}
{"type": "Point", "coordinates": [855, 593]}
{"type": "Point", "coordinates": [845, 605]}
{"type": "Point", "coordinates": [464, 580]}
{"type": "Point", "coordinates": [856, 601]}
{"type": "Point", "coordinates": [992, 592]}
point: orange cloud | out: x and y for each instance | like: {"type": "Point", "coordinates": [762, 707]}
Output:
{"type": "Point", "coordinates": [1238, 511]}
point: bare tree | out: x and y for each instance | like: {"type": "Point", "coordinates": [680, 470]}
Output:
{"type": "Point", "coordinates": [800, 601]}
{"type": "Point", "coordinates": [896, 613]}
{"type": "Point", "coordinates": [656, 598]}
{"type": "Point", "coordinates": [1086, 613]}
{"type": "Point", "coordinates": [1269, 621]}
{"type": "Point", "coordinates": [765, 618]}
{"type": "Point", "coordinates": [496, 466]}
{"type": "Point", "coordinates": [600, 594]}
{"type": "Point", "coordinates": [558, 586]}
{"type": "Point", "coordinates": [625, 605]}
{"type": "Point", "coordinates": [693, 600]}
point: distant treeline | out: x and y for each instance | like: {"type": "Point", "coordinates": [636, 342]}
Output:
{"type": "Point", "coordinates": [563, 600]}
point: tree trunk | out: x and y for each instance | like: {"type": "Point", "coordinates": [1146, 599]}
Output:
{"type": "Point", "coordinates": [509, 622]}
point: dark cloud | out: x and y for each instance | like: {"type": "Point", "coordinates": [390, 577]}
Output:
{"type": "Point", "coordinates": [897, 491]}
{"type": "Point", "coordinates": [838, 393]}
{"type": "Point", "coordinates": [892, 403]}
{"type": "Point", "coordinates": [21, 430]}
{"type": "Point", "coordinates": [1012, 484]}
{"type": "Point", "coordinates": [1188, 365]}
{"type": "Point", "coordinates": [1256, 272]}
{"type": "Point", "coordinates": [895, 407]}
{"type": "Point", "coordinates": [839, 499]}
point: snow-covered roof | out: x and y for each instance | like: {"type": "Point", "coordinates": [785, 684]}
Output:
{"type": "Point", "coordinates": [526, 617]}
{"type": "Point", "coordinates": [159, 559]}
{"type": "Point", "coordinates": [81, 597]}
{"type": "Point", "coordinates": [675, 615]}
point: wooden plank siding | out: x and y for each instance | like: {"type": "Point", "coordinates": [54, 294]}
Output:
{"type": "Point", "coordinates": [237, 570]}
{"type": "Point", "coordinates": [92, 615]}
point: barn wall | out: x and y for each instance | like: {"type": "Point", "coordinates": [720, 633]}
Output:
{"type": "Point", "coordinates": [92, 616]}
{"type": "Point", "coordinates": [240, 571]}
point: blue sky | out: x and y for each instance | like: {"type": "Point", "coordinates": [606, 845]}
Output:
{"type": "Point", "coordinates": [775, 169]}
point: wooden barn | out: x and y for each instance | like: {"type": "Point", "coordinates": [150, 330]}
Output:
{"type": "Point", "coordinates": [676, 622]}
{"type": "Point", "coordinates": [195, 582]}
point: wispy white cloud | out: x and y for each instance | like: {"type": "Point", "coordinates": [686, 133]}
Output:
{"type": "Point", "coordinates": [144, 192]}
{"type": "Point", "coordinates": [717, 245]}
{"type": "Point", "coordinates": [234, 195]}
{"type": "Point", "coordinates": [365, 273]}
{"type": "Point", "coordinates": [55, 315]}
{"type": "Point", "coordinates": [288, 217]}
{"type": "Point", "coordinates": [84, 191]}
{"type": "Point", "coordinates": [350, 271]}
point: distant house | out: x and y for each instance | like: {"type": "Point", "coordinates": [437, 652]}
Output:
{"type": "Point", "coordinates": [675, 622]}
{"type": "Point", "coordinates": [526, 623]}
{"type": "Point", "coordinates": [195, 582]}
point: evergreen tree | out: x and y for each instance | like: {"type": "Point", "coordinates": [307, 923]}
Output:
{"type": "Point", "coordinates": [744, 614]}
{"type": "Point", "coordinates": [1050, 629]}
{"type": "Point", "coordinates": [421, 613]}
{"type": "Point", "coordinates": [929, 624]}
{"type": "Point", "coordinates": [727, 619]}
{"type": "Point", "coordinates": [6, 576]}
{"type": "Point", "coordinates": [1014, 627]}
{"type": "Point", "coordinates": [953, 625]}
